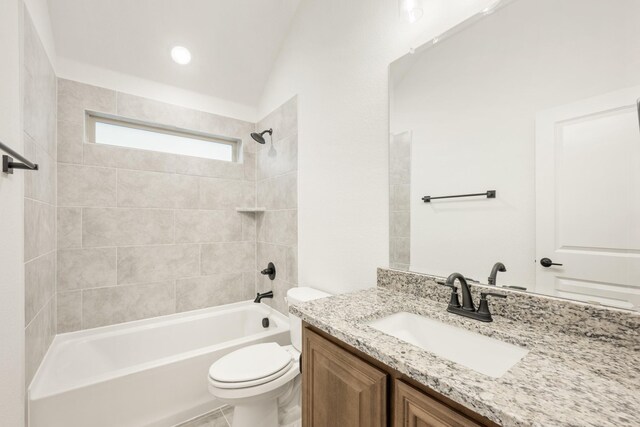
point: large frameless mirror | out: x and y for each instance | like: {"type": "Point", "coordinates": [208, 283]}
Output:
{"type": "Point", "coordinates": [529, 113]}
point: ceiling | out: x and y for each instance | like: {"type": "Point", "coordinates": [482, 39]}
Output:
{"type": "Point", "coordinates": [234, 43]}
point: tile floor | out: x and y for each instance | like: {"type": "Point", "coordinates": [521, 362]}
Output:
{"type": "Point", "coordinates": [218, 418]}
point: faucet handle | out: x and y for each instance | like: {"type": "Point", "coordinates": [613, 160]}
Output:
{"type": "Point", "coordinates": [454, 301]}
{"type": "Point", "coordinates": [483, 309]}
{"type": "Point", "coordinates": [484, 295]}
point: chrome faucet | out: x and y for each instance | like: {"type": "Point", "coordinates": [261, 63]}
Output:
{"type": "Point", "coordinates": [498, 266]}
{"type": "Point", "coordinates": [468, 309]}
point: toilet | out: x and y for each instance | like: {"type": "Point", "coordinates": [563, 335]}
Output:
{"type": "Point", "coordinates": [262, 381]}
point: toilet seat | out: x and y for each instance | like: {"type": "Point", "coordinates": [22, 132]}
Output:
{"type": "Point", "coordinates": [251, 366]}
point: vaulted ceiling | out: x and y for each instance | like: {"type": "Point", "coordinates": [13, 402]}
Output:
{"type": "Point", "coordinates": [234, 43]}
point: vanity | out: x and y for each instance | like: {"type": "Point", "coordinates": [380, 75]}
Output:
{"type": "Point", "coordinates": [513, 157]}
{"type": "Point", "coordinates": [343, 386]}
{"type": "Point", "coordinates": [367, 361]}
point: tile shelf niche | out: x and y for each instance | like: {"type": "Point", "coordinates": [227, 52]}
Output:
{"type": "Point", "coordinates": [251, 210]}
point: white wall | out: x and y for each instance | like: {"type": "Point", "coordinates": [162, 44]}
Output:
{"type": "Point", "coordinates": [336, 58]}
{"type": "Point", "coordinates": [39, 11]}
{"type": "Point", "coordinates": [471, 103]}
{"type": "Point", "coordinates": [97, 76]}
{"type": "Point", "coordinates": [11, 229]}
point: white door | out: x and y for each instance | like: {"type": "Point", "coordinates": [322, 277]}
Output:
{"type": "Point", "coordinates": [588, 200]}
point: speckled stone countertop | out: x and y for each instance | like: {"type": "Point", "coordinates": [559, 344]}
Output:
{"type": "Point", "coordinates": [566, 379]}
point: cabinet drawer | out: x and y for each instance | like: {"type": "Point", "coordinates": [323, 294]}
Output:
{"type": "Point", "coordinates": [413, 408]}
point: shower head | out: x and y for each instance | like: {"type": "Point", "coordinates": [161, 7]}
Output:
{"type": "Point", "coordinates": [259, 137]}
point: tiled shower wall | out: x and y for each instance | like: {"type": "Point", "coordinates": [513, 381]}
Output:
{"type": "Point", "coordinates": [39, 126]}
{"type": "Point", "coordinates": [277, 185]}
{"type": "Point", "coordinates": [399, 202]}
{"type": "Point", "coordinates": [142, 233]}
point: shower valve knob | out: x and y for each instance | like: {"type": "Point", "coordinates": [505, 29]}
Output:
{"type": "Point", "coordinates": [269, 271]}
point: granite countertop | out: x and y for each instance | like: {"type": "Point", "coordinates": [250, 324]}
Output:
{"type": "Point", "coordinates": [564, 380]}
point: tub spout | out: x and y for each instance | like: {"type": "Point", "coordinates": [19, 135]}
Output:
{"type": "Point", "coordinates": [259, 296]}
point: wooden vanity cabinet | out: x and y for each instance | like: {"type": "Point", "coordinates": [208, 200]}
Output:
{"type": "Point", "coordinates": [338, 388]}
{"type": "Point", "coordinates": [343, 387]}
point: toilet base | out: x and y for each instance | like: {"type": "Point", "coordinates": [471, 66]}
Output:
{"type": "Point", "coordinates": [264, 414]}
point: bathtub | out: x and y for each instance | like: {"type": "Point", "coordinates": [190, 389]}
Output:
{"type": "Point", "coordinates": [145, 373]}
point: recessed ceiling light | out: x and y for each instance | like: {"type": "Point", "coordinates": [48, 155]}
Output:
{"type": "Point", "coordinates": [411, 10]}
{"type": "Point", "coordinates": [181, 55]}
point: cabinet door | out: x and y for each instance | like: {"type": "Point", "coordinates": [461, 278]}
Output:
{"type": "Point", "coordinates": [339, 389]}
{"type": "Point", "coordinates": [413, 408]}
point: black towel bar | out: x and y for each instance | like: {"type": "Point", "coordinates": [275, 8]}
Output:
{"type": "Point", "coordinates": [8, 165]}
{"type": "Point", "coordinates": [491, 194]}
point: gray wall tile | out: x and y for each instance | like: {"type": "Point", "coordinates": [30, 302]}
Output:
{"type": "Point", "coordinates": [249, 231]}
{"type": "Point", "coordinates": [40, 186]}
{"type": "Point", "coordinates": [152, 111]}
{"type": "Point", "coordinates": [39, 108]}
{"type": "Point", "coordinates": [69, 311]}
{"type": "Point", "coordinates": [209, 291]}
{"type": "Point", "coordinates": [35, 56]}
{"type": "Point", "coordinates": [279, 227]}
{"type": "Point", "coordinates": [40, 283]}
{"type": "Point", "coordinates": [195, 226]}
{"type": "Point", "coordinates": [279, 193]}
{"type": "Point", "coordinates": [276, 254]}
{"type": "Point", "coordinates": [70, 141]}
{"type": "Point", "coordinates": [279, 288]}
{"type": "Point", "coordinates": [128, 158]}
{"type": "Point", "coordinates": [142, 232]}
{"type": "Point", "coordinates": [157, 263]}
{"type": "Point", "coordinates": [69, 228]}
{"type": "Point", "coordinates": [399, 250]}
{"type": "Point", "coordinates": [228, 257]}
{"type": "Point", "coordinates": [400, 224]}
{"type": "Point", "coordinates": [126, 227]}
{"type": "Point", "coordinates": [39, 229]}
{"type": "Point", "coordinates": [399, 200]}
{"type": "Point", "coordinates": [38, 336]}
{"type": "Point", "coordinates": [226, 194]}
{"type": "Point", "coordinates": [157, 190]}
{"type": "Point", "coordinates": [283, 120]}
{"type": "Point", "coordinates": [292, 264]}
{"type": "Point", "coordinates": [86, 268]}
{"type": "Point", "coordinates": [249, 280]}
{"type": "Point", "coordinates": [209, 168]}
{"type": "Point", "coordinates": [75, 98]}
{"type": "Point", "coordinates": [399, 197]}
{"type": "Point", "coordinates": [279, 256]}
{"type": "Point", "coordinates": [86, 186]}
{"type": "Point", "coordinates": [39, 131]}
{"type": "Point", "coordinates": [224, 126]}
{"type": "Point", "coordinates": [250, 166]}
{"type": "Point", "coordinates": [106, 306]}
{"type": "Point", "coordinates": [278, 158]}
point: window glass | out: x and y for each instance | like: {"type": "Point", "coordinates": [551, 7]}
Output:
{"type": "Point", "coordinates": [147, 137]}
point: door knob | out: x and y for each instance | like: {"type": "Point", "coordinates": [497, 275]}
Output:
{"type": "Point", "coordinates": [546, 263]}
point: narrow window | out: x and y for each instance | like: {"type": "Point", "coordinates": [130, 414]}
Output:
{"type": "Point", "coordinates": [110, 130]}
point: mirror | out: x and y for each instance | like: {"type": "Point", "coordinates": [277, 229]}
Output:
{"type": "Point", "coordinates": [529, 110]}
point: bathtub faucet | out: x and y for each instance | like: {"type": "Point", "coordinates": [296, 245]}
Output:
{"type": "Point", "coordinates": [259, 296]}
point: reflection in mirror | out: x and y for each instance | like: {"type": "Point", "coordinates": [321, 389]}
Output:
{"type": "Point", "coordinates": [537, 101]}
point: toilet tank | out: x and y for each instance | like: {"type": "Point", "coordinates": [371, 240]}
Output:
{"type": "Point", "coordinates": [296, 296]}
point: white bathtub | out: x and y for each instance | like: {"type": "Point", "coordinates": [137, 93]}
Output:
{"type": "Point", "coordinates": [145, 373]}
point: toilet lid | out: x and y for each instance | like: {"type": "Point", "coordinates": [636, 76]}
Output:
{"type": "Point", "coordinates": [251, 363]}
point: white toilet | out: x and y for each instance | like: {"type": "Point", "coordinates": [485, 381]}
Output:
{"type": "Point", "coordinates": [260, 379]}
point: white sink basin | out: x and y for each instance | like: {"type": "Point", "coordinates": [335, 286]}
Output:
{"type": "Point", "coordinates": [483, 354]}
